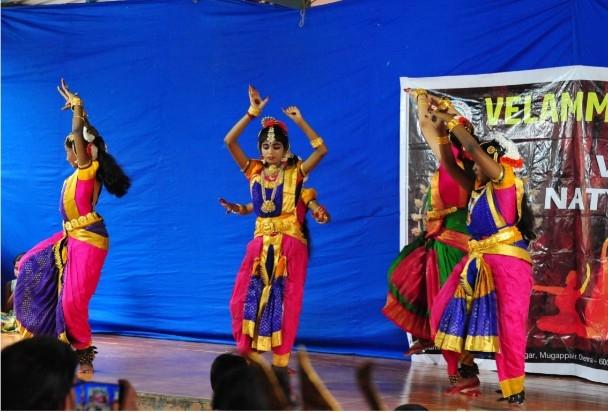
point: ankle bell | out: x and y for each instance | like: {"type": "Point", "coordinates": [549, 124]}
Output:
{"type": "Point", "coordinates": [517, 398]}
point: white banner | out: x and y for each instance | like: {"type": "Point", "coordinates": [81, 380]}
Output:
{"type": "Point", "coordinates": [559, 119]}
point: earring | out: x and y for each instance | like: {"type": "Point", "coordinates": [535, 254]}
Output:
{"type": "Point", "coordinates": [286, 156]}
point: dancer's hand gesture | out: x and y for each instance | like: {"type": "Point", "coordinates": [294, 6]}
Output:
{"type": "Point", "coordinates": [235, 208]}
{"type": "Point", "coordinates": [320, 215]}
{"type": "Point", "coordinates": [229, 206]}
{"type": "Point", "coordinates": [442, 108]}
{"type": "Point", "coordinates": [439, 117]}
{"type": "Point", "coordinates": [293, 113]}
{"type": "Point", "coordinates": [255, 100]}
{"type": "Point", "coordinates": [71, 99]}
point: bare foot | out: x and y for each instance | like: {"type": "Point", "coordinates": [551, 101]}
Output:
{"type": "Point", "coordinates": [419, 346]}
{"type": "Point", "coordinates": [465, 386]}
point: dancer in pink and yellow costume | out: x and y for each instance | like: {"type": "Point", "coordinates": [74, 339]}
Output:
{"type": "Point", "coordinates": [57, 278]}
{"type": "Point", "coordinates": [483, 307]}
{"type": "Point", "coordinates": [267, 297]}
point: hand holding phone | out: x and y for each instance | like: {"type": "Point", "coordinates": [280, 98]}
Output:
{"type": "Point", "coordinates": [97, 396]}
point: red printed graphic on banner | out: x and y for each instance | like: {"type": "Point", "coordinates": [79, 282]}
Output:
{"type": "Point", "coordinates": [567, 320]}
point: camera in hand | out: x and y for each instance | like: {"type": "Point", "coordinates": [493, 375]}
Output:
{"type": "Point", "coordinates": [96, 396]}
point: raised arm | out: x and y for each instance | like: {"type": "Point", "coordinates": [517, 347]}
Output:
{"type": "Point", "coordinates": [256, 105]}
{"type": "Point", "coordinates": [72, 101]}
{"type": "Point", "coordinates": [444, 146]}
{"type": "Point", "coordinates": [429, 131]}
{"type": "Point", "coordinates": [487, 165]}
{"type": "Point", "coordinates": [315, 140]}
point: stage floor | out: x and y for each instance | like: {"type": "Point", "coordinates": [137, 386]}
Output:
{"type": "Point", "coordinates": [174, 375]}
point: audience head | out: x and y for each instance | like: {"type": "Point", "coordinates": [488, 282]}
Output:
{"type": "Point", "coordinates": [38, 375]}
{"type": "Point", "coordinates": [411, 407]}
{"type": "Point", "coordinates": [223, 364]}
{"type": "Point", "coordinates": [241, 388]}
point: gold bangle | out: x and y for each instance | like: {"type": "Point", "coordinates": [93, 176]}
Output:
{"type": "Point", "coordinates": [316, 142]}
{"type": "Point", "coordinates": [75, 101]}
{"type": "Point", "coordinates": [444, 104]}
{"type": "Point", "coordinates": [419, 92]}
{"type": "Point", "coordinates": [426, 101]}
{"type": "Point", "coordinates": [452, 124]}
{"type": "Point", "coordinates": [443, 140]}
{"type": "Point", "coordinates": [500, 176]}
{"type": "Point", "coordinates": [253, 111]}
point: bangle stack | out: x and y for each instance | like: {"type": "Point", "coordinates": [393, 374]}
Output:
{"type": "Point", "coordinates": [419, 92]}
{"type": "Point", "coordinates": [443, 140]}
{"type": "Point", "coordinates": [500, 176]}
{"type": "Point", "coordinates": [75, 101]}
{"type": "Point", "coordinates": [253, 112]}
{"type": "Point", "coordinates": [316, 142]}
{"type": "Point", "coordinates": [455, 122]}
{"type": "Point", "coordinates": [444, 104]}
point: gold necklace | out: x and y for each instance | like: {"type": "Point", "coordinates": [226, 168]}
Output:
{"type": "Point", "coordinates": [272, 171]}
{"type": "Point", "coordinates": [268, 206]}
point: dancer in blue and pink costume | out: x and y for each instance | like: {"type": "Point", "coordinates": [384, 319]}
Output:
{"type": "Point", "coordinates": [483, 307]}
{"type": "Point", "coordinates": [267, 297]}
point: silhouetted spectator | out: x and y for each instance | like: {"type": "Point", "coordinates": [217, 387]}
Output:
{"type": "Point", "coordinates": [241, 388]}
{"type": "Point", "coordinates": [223, 364]}
{"type": "Point", "coordinates": [38, 374]}
{"type": "Point", "coordinates": [411, 407]}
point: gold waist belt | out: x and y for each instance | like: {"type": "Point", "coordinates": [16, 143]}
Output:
{"type": "Point", "coordinates": [287, 225]}
{"type": "Point", "coordinates": [505, 236]}
{"type": "Point", "coordinates": [81, 221]}
{"type": "Point", "coordinates": [438, 214]}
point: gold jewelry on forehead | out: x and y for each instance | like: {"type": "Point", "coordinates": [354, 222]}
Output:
{"type": "Point", "coordinates": [270, 136]}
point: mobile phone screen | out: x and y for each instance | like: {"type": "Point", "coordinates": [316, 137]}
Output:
{"type": "Point", "coordinates": [96, 396]}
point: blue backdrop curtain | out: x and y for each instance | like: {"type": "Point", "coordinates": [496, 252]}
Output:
{"type": "Point", "coordinates": [163, 81]}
